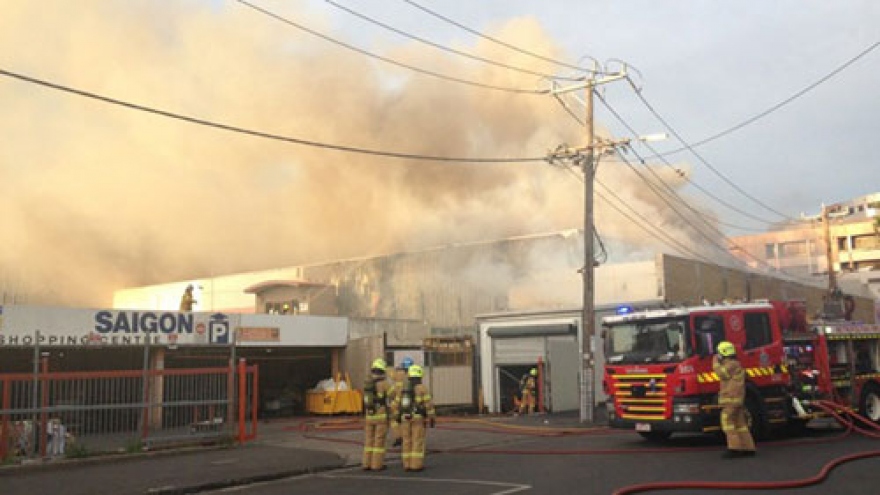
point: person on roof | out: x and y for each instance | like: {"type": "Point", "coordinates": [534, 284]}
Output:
{"type": "Point", "coordinates": [187, 300]}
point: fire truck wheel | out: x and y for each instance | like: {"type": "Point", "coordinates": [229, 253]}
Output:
{"type": "Point", "coordinates": [870, 404]}
{"type": "Point", "coordinates": [756, 419]}
{"type": "Point", "coordinates": [656, 436]}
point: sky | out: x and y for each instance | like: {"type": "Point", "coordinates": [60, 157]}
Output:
{"type": "Point", "coordinates": [99, 196]}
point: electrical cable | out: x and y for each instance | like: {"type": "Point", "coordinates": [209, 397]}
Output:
{"type": "Point", "coordinates": [698, 214]}
{"type": "Point", "coordinates": [503, 43]}
{"type": "Point", "coordinates": [388, 60]}
{"type": "Point", "coordinates": [676, 170]}
{"type": "Point", "coordinates": [666, 162]}
{"type": "Point", "coordinates": [721, 248]}
{"type": "Point", "coordinates": [643, 224]}
{"type": "Point", "coordinates": [699, 157]}
{"type": "Point", "coordinates": [779, 105]}
{"type": "Point", "coordinates": [659, 235]}
{"type": "Point", "coordinates": [448, 49]}
{"type": "Point", "coordinates": [712, 241]}
{"type": "Point", "coordinates": [261, 134]}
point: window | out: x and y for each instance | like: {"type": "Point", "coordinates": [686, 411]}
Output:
{"type": "Point", "coordinates": [758, 331]}
{"type": "Point", "coordinates": [793, 249]}
{"type": "Point", "coordinates": [866, 242]}
{"type": "Point", "coordinates": [770, 251]}
{"type": "Point", "coordinates": [709, 331]}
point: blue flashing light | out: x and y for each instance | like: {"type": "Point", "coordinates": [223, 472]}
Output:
{"type": "Point", "coordinates": [624, 310]}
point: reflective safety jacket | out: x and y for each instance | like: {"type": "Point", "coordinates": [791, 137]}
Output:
{"type": "Point", "coordinates": [733, 381]}
{"type": "Point", "coordinates": [528, 385]}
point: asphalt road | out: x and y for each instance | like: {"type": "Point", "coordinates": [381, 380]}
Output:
{"type": "Point", "coordinates": [600, 462]}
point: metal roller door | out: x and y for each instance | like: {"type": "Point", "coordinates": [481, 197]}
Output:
{"type": "Point", "coordinates": [519, 350]}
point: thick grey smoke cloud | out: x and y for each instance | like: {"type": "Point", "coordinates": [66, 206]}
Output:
{"type": "Point", "coordinates": [97, 197]}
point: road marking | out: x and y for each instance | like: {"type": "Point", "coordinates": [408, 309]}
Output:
{"type": "Point", "coordinates": [511, 487]}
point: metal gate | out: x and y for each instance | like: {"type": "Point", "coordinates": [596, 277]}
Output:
{"type": "Point", "coordinates": [77, 414]}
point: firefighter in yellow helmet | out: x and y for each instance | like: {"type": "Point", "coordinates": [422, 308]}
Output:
{"type": "Point", "coordinates": [416, 411]}
{"type": "Point", "coordinates": [376, 409]}
{"type": "Point", "coordinates": [731, 398]}
{"type": "Point", "coordinates": [528, 383]}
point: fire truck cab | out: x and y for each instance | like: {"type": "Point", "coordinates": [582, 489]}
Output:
{"type": "Point", "coordinates": [658, 373]}
{"type": "Point", "coordinates": [659, 380]}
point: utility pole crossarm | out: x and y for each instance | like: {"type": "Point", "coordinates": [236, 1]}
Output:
{"type": "Point", "coordinates": [589, 84]}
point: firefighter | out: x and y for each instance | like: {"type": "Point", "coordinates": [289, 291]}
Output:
{"type": "Point", "coordinates": [376, 408]}
{"type": "Point", "coordinates": [527, 390]}
{"type": "Point", "coordinates": [416, 411]}
{"type": "Point", "coordinates": [187, 300]}
{"type": "Point", "coordinates": [400, 377]}
{"type": "Point", "coordinates": [731, 398]}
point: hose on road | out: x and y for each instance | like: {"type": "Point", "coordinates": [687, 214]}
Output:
{"type": "Point", "coordinates": [846, 417]}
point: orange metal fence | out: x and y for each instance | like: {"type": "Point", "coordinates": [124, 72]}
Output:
{"type": "Point", "coordinates": [82, 413]}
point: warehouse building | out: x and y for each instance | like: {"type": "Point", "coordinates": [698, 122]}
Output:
{"type": "Point", "coordinates": [465, 311]}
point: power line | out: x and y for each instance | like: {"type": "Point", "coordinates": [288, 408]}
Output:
{"type": "Point", "coordinates": [666, 162]}
{"type": "Point", "coordinates": [774, 108]}
{"type": "Point", "coordinates": [663, 198]}
{"type": "Point", "coordinates": [723, 249]}
{"type": "Point", "coordinates": [719, 247]}
{"type": "Point", "coordinates": [642, 223]}
{"type": "Point", "coordinates": [698, 255]}
{"type": "Point", "coordinates": [677, 171]}
{"type": "Point", "coordinates": [250, 132]}
{"type": "Point", "coordinates": [700, 157]}
{"type": "Point", "coordinates": [448, 49]}
{"type": "Point", "coordinates": [503, 43]}
{"type": "Point", "coordinates": [388, 60]}
{"type": "Point", "coordinates": [777, 106]}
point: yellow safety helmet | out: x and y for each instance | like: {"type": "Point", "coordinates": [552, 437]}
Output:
{"type": "Point", "coordinates": [534, 372]}
{"type": "Point", "coordinates": [726, 349]}
{"type": "Point", "coordinates": [415, 371]}
{"type": "Point", "coordinates": [379, 364]}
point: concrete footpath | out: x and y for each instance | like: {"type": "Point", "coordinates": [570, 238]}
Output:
{"type": "Point", "coordinates": [284, 448]}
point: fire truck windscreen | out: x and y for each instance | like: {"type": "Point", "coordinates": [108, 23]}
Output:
{"type": "Point", "coordinates": [647, 341]}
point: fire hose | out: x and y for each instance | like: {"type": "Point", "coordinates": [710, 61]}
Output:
{"type": "Point", "coordinates": [845, 417]}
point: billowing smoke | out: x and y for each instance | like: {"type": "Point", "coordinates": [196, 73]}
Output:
{"type": "Point", "coordinates": [98, 197]}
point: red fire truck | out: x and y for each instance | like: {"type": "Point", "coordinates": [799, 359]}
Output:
{"type": "Point", "coordinates": [658, 374]}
